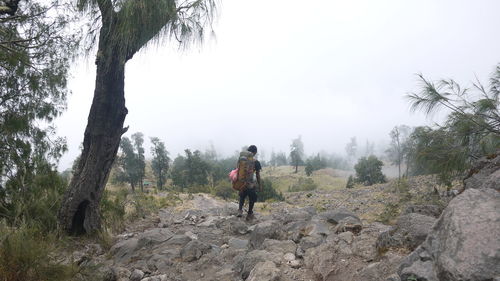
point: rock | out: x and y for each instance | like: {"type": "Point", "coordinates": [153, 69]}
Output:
{"type": "Point", "coordinates": [311, 242]}
{"type": "Point", "coordinates": [463, 244]}
{"type": "Point", "coordinates": [380, 270]}
{"type": "Point", "coordinates": [244, 263]}
{"type": "Point", "coordinates": [289, 257]}
{"type": "Point", "coordinates": [153, 237]}
{"type": "Point", "coordinates": [294, 264]}
{"type": "Point", "coordinates": [321, 260]}
{"type": "Point", "coordinates": [409, 232]}
{"type": "Point", "coordinates": [162, 277]}
{"type": "Point", "coordinates": [265, 271]}
{"type": "Point", "coordinates": [237, 243]}
{"type": "Point", "coordinates": [177, 240]}
{"type": "Point", "coordinates": [124, 250]}
{"type": "Point", "coordinates": [426, 210]}
{"type": "Point", "coordinates": [267, 229]}
{"type": "Point", "coordinates": [364, 246]}
{"type": "Point", "coordinates": [315, 227]}
{"type": "Point", "coordinates": [193, 250]}
{"type": "Point", "coordinates": [277, 246]}
{"type": "Point", "coordinates": [393, 277]}
{"type": "Point", "coordinates": [236, 226]}
{"type": "Point", "coordinates": [485, 173]}
{"type": "Point", "coordinates": [348, 237]}
{"type": "Point", "coordinates": [336, 215]}
{"type": "Point", "coordinates": [349, 224]}
{"type": "Point", "coordinates": [109, 274]}
{"type": "Point", "coordinates": [136, 275]}
{"type": "Point", "coordinates": [159, 263]}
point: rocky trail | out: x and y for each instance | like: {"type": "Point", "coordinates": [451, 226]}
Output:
{"type": "Point", "coordinates": [204, 240]}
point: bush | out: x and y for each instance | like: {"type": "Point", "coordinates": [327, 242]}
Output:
{"type": "Point", "coordinates": [25, 255]}
{"type": "Point", "coordinates": [268, 192]}
{"type": "Point", "coordinates": [304, 184]}
{"type": "Point", "coordinates": [369, 171]}
{"type": "Point", "coordinates": [350, 182]}
{"type": "Point", "coordinates": [224, 190]}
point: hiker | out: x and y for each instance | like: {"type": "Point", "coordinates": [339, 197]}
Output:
{"type": "Point", "coordinates": [248, 179]}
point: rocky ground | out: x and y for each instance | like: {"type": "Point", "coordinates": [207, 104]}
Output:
{"type": "Point", "coordinates": [321, 235]}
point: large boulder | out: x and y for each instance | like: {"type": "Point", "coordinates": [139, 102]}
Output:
{"type": "Point", "coordinates": [194, 250]}
{"type": "Point", "coordinates": [245, 262]}
{"type": "Point", "coordinates": [270, 229]}
{"type": "Point", "coordinates": [463, 244]}
{"type": "Point", "coordinates": [409, 232]}
{"type": "Point", "coordinates": [485, 173]}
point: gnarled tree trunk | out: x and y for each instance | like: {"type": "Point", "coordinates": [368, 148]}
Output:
{"type": "Point", "coordinates": [79, 212]}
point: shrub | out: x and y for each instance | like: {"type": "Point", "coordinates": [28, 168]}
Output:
{"type": "Point", "coordinates": [350, 182]}
{"type": "Point", "coordinates": [25, 255]}
{"type": "Point", "coordinates": [224, 190]}
{"type": "Point", "coordinates": [268, 192]}
{"type": "Point", "coordinates": [369, 171]}
{"type": "Point", "coordinates": [304, 184]}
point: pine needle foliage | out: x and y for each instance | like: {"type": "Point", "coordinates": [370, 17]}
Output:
{"type": "Point", "coordinates": [470, 131]}
{"type": "Point", "coordinates": [151, 22]}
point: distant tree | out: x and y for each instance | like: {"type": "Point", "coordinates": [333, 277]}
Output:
{"type": "Point", "coordinates": [138, 139]}
{"type": "Point", "coordinates": [281, 159]}
{"type": "Point", "coordinates": [160, 162]}
{"type": "Point", "coordinates": [350, 182]}
{"type": "Point", "coordinates": [369, 148]}
{"type": "Point", "coordinates": [190, 170]}
{"type": "Point", "coordinates": [471, 129]}
{"type": "Point", "coordinates": [369, 170]}
{"type": "Point", "coordinates": [397, 149]}
{"type": "Point", "coordinates": [351, 148]}
{"type": "Point", "coordinates": [297, 153]}
{"type": "Point", "coordinates": [315, 163]}
{"type": "Point", "coordinates": [273, 161]}
{"type": "Point", "coordinates": [129, 167]}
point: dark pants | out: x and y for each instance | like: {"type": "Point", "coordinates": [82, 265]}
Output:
{"type": "Point", "coordinates": [252, 197]}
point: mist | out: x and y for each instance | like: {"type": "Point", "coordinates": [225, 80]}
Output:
{"type": "Point", "coordinates": [277, 70]}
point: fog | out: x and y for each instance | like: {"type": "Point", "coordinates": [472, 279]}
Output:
{"type": "Point", "coordinates": [325, 70]}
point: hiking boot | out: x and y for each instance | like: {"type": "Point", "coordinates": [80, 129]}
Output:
{"type": "Point", "coordinates": [240, 213]}
{"type": "Point", "coordinates": [250, 217]}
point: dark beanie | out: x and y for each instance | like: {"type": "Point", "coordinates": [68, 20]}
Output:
{"type": "Point", "coordinates": [252, 148]}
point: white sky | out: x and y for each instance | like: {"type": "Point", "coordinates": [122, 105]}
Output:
{"type": "Point", "coordinates": [326, 70]}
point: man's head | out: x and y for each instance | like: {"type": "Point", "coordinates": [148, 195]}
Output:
{"type": "Point", "coordinates": [252, 149]}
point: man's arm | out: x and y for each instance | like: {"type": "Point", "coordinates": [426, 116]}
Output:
{"type": "Point", "coordinates": [257, 175]}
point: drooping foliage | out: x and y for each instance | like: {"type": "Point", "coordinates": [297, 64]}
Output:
{"type": "Point", "coordinates": [471, 129]}
{"type": "Point", "coordinates": [35, 51]}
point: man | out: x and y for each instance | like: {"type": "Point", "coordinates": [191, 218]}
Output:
{"type": "Point", "coordinates": [252, 186]}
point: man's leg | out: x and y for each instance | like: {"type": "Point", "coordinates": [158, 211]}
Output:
{"type": "Point", "coordinates": [252, 198]}
{"type": "Point", "coordinates": [242, 194]}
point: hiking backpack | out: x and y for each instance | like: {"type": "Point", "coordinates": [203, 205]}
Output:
{"type": "Point", "coordinates": [245, 170]}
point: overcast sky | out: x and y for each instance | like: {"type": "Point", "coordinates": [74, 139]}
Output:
{"type": "Point", "coordinates": [325, 70]}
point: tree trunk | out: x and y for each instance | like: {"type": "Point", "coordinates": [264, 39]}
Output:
{"type": "Point", "coordinates": [79, 211]}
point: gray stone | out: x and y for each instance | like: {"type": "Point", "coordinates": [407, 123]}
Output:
{"type": "Point", "coordinates": [245, 262]}
{"type": "Point", "coordinates": [311, 241]}
{"type": "Point", "coordinates": [136, 275]}
{"type": "Point", "coordinates": [237, 243]}
{"type": "Point", "coordinates": [265, 271]}
{"type": "Point", "coordinates": [336, 215]}
{"type": "Point", "coordinates": [153, 237]}
{"type": "Point", "coordinates": [178, 240]}
{"type": "Point", "coordinates": [485, 173]}
{"type": "Point", "coordinates": [194, 250]}
{"type": "Point", "coordinates": [124, 250]}
{"type": "Point", "coordinates": [426, 210]}
{"type": "Point", "coordinates": [409, 232]}
{"type": "Point", "coordinates": [350, 224]}
{"type": "Point", "coordinates": [267, 229]}
{"type": "Point", "coordinates": [277, 246]}
{"type": "Point", "coordinates": [463, 244]}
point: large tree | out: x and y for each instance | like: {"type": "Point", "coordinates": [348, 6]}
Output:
{"type": "Point", "coordinates": [297, 153]}
{"type": "Point", "coordinates": [160, 162]}
{"type": "Point", "coordinates": [125, 27]}
{"type": "Point", "coordinates": [396, 151]}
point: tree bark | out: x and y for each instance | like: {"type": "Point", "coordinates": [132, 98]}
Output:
{"type": "Point", "coordinates": [79, 211]}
